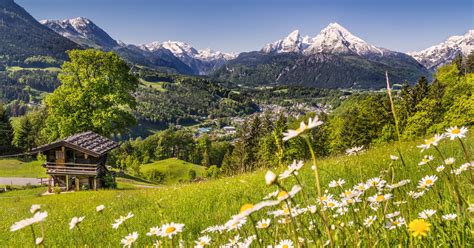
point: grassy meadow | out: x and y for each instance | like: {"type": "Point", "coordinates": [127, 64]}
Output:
{"type": "Point", "coordinates": [209, 203]}
{"type": "Point", "coordinates": [175, 170]}
{"type": "Point", "coordinates": [20, 168]}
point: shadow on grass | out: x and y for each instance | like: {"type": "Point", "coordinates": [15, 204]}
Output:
{"type": "Point", "coordinates": [138, 179]}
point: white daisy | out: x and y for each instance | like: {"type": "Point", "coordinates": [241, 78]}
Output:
{"type": "Point", "coordinates": [455, 132]}
{"type": "Point", "coordinates": [121, 219]}
{"type": "Point", "coordinates": [393, 224]}
{"type": "Point", "coordinates": [39, 240]}
{"type": "Point", "coordinates": [312, 123]}
{"type": "Point", "coordinates": [426, 159]}
{"type": "Point", "coordinates": [393, 157]}
{"type": "Point", "coordinates": [376, 182]}
{"type": "Point", "coordinates": [100, 208]}
{"type": "Point", "coordinates": [449, 216]}
{"type": "Point", "coordinates": [75, 221]}
{"type": "Point", "coordinates": [440, 168]}
{"type": "Point", "coordinates": [270, 178]}
{"type": "Point", "coordinates": [427, 182]}
{"type": "Point", "coordinates": [354, 150]}
{"type": "Point", "coordinates": [154, 231]}
{"type": "Point", "coordinates": [449, 161]}
{"type": "Point", "coordinates": [34, 208]}
{"type": "Point", "coordinates": [296, 165]}
{"type": "Point", "coordinates": [370, 220]}
{"type": "Point", "coordinates": [263, 224]}
{"type": "Point", "coordinates": [203, 241]}
{"type": "Point", "coordinates": [425, 214]}
{"type": "Point", "coordinates": [379, 198]}
{"type": "Point", "coordinates": [38, 217]}
{"type": "Point", "coordinates": [285, 244]}
{"type": "Point", "coordinates": [392, 215]}
{"type": "Point", "coordinates": [431, 142]}
{"type": "Point", "coordinates": [129, 239]}
{"type": "Point", "coordinates": [168, 230]}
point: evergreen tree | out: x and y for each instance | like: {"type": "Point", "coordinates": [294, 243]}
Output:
{"type": "Point", "coordinates": [420, 91]}
{"type": "Point", "coordinates": [470, 63]}
{"type": "Point", "coordinates": [6, 131]}
{"type": "Point", "coordinates": [458, 61]}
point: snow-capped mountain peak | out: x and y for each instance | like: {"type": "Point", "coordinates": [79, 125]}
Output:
{"type": "Point", "coordinates": [332, 39]}
{"type": "Point", "coordinates": [291, 43]}
{"type": "Point", "coordinates": [336, 39]}
{"type": "Point", "coordinates": [182, 49]}
{"type": "Point", "coordinates": [82, 31]}
{"type": "Point", "coordinates": [443, 53]}
{"type": "Point", "coordinates": [202, 61]}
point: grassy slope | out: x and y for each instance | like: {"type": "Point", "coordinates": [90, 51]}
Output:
{"type": "Point", "coordinates": [201, 204]}
{"type": "Point", "coordinates": [155, 85]}
{"type": "Point", "coordinates": [17, 68]}
{"type": "Point", "coordinates": [174, 169]}
{"type": "Point", "coordinates": [18, 168]}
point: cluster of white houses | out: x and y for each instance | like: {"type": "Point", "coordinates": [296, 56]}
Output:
{"type": "Point", "coordinates": [77, 161]}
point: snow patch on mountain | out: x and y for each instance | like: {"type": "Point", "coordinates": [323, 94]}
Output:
{"type": "Point", "coordinates": [443, 53]}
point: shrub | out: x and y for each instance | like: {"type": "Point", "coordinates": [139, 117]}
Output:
{"type": "Point", "coordinates": [213, 172]}
{"type": "Point", "coordinates": [57, 189]}
{"type": "Point", "coordinates": [155, 176]}
{"type": "Point", "coordinates": [192, 174]}
{"type": "Point", "coordinates": [109, 181]}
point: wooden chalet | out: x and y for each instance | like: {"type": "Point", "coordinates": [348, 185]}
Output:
{"type": "Point", "coordinates": [77, 161]}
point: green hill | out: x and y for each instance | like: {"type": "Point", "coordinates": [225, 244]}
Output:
{"type": "Point", "coordinates": [173, 170]}
{"type": "Point", "coordinates": [19, 168]}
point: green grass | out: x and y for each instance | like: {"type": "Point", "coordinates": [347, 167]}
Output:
{"type": "Point", "coordinates": [154, 85]}
{"type": "Point", "coordinates": [19, 168]}
{"type": "Point", "coordinates": [199, 205]}
{"type": "Point", "coordinates": [174, 169]}
{"type": "Point", "coordinates": [18, 68]}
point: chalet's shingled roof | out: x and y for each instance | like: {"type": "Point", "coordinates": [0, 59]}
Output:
{"type": "Point", "coordinates": [87, 142]}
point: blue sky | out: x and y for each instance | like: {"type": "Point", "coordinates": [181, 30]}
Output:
{"type": "Point", "coordinates": [401, 25]}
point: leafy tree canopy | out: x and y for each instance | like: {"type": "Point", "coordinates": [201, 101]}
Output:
{"type": "Point", "coordinates": [95, 94]}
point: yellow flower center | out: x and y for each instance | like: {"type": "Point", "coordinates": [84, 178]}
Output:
{"type": "Point", "coordinates": [380, 198]}
{"type": "Point", "coordinates": [246, 207]}
{"type": "Point", "coordinates": [331, 204]}
{"type": "Point", "coordinates": [428, 182]}
{"type": "Point", "coordinates": [456, 131]}
{"type": "Point", "coordinates": [264, 225]}
{"type": "Point", "coordinates": [419, 227]}
{"type": "Point", "coordinates": [430, 141]}
{"type": "Point", "coordinates": [284, 246]}
{"type": "Point", "coordinates": [396, 223]}
{"type": "Point", "coordinates": [170, 229]}
{"type": "Point", "coordinates": [282, 194]}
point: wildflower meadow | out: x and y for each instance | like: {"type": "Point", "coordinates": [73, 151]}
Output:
{"type": "Point", "coordinates": [404, 194]}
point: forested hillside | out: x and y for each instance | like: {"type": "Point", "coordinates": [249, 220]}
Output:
{"type": "Point", "coordinates": [24, 41]}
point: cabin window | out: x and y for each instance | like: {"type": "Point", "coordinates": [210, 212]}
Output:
{"type": "Point", "coordinates": [60, 155]}
{"type": "Point", "coordinates": [70, 156]}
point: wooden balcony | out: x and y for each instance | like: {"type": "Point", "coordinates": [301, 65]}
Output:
{"type": "Point", "coordinates": [72, 169]}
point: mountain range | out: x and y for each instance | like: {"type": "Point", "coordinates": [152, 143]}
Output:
{"type": "Point", "coordinates": [334, 58]}
{"type": "Point", "coordinates": [443, 53]}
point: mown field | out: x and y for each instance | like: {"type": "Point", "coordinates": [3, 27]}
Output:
{"type": "Point", "coordinates": [199, 205]}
